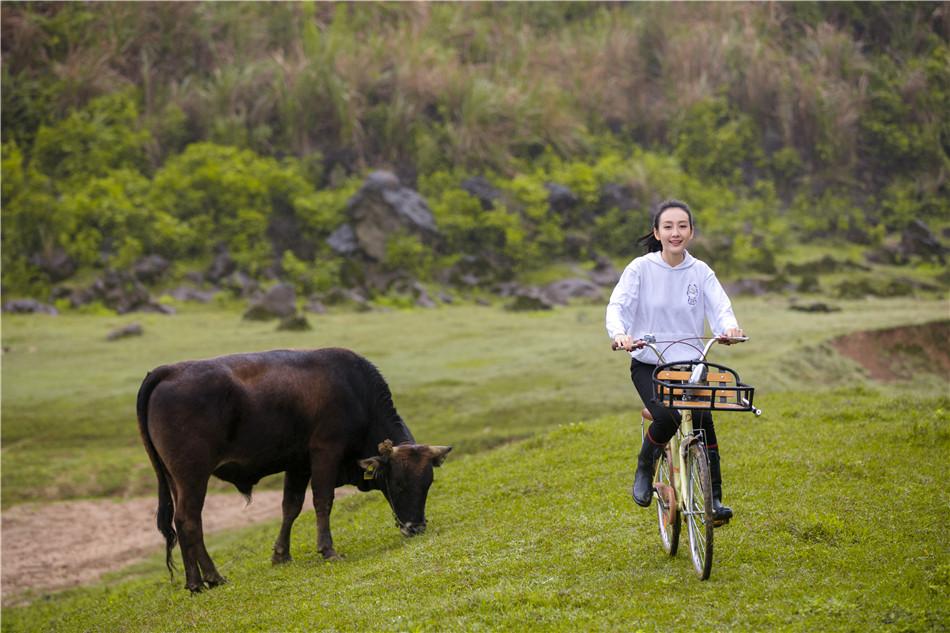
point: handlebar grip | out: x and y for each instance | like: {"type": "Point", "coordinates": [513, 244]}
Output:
{"type": "Point", "coordinates": [615, 347]}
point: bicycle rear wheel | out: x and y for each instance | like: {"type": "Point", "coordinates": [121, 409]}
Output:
{"type": "Point", "coordinates": [667, 512]}
{"type": "Point", "coordinates": [699, 512]}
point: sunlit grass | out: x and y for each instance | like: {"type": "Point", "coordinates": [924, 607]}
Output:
{"type": "Point", "coordinates": [838, 527]}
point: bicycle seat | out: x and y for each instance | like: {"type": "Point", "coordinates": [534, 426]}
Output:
{"type": "Point", "coordinates": [646, 414]}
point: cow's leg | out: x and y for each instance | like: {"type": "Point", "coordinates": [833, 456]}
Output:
{"type": "Point", "coordinates": [323, 471]}
{"type": "Point", "coordinates": [295, 488]}
{"type": "Point", "coordinates": [194, 555]}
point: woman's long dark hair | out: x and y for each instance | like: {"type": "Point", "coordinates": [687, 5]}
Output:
{"type": "Point", "coordinates": [649, 241]}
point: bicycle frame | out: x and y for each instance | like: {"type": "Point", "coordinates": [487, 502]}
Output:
{"type": "Point", "coordinates": [680, 443]}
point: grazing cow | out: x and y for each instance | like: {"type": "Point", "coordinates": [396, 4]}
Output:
{"type": "Point", "coordinates": [325, 416]}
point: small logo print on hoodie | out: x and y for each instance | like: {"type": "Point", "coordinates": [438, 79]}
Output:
{"type": "Point", "coordinates": [692, 294]}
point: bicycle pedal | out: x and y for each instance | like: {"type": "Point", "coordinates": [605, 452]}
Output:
{"type": "Point", "coordinates": [720, 522]}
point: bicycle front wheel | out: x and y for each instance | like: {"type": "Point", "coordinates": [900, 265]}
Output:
{"type": "Point", "coordinates": [668, 515]}
{"type": "Point", "coordinates": [699, 511]}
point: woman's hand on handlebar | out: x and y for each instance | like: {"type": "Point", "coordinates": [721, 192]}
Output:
{"type": "Point", "coordinates": [627, 343]}
{"type": "Point", "coordinates": [733, 335]}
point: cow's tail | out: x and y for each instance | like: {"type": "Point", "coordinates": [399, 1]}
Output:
{"type": "Point", "coordinates": [166, 505]}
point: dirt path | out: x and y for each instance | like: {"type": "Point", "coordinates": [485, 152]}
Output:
{"type": "Point", "coordinates": [54, 546]}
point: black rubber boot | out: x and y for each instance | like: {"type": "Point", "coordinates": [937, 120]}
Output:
{"type": "Point", "coordinates": [721, 513]}
{"type": "Point", "coordinates": [643, 481]}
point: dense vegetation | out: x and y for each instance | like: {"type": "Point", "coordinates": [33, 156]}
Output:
{"type": "Point", "coordinates": [180, 128]}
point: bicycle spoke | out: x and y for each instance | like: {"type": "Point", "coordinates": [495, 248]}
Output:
{"type": "Point", "coordinates": [699, 517]}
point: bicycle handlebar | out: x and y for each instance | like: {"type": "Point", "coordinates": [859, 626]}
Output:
{"type": "Point", "coordinates": [641, 343]}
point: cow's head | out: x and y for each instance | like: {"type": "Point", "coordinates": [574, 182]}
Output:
{"type": "Point", "coordinates": [404, 474]}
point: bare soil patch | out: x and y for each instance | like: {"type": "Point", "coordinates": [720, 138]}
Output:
{"type": "Point", "coordinates": [55, 546]}
{"type": "Point", "coordinates": [898, 353]}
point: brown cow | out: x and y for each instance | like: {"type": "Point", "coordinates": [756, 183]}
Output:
{"type": "Point", "coordinates": [323, 416]}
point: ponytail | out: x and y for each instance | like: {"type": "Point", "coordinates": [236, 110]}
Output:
{"type": "Point", "coordinates": [649, 241]}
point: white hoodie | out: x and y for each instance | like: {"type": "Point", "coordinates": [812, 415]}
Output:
{"type": "Point", "coordinates": [653, 297]}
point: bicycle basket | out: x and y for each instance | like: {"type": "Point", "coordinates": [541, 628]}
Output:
{"type": "Point", "coordinates": [719, 390]}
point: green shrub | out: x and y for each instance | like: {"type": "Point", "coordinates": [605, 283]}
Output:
{"type": "Point", "coordinates": [319, 275]}
{"type": "Point", "coordinates": [92, 141]}
{"type": "Point", "coordinates": [107, 216]}
{"type": "Point", "coordinates": [227, 195]}
{"type": "Point", "coordinates": [716, 143]}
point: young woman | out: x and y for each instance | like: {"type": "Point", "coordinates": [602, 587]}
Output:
{"type": "Point", "coordinates": [668, 293]}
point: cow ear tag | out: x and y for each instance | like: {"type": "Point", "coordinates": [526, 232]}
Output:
{"type": "Point", "coordinates": [370, 472]}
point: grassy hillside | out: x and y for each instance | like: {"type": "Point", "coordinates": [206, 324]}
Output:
{"type": "Point", "coordinates": [473, 377]}
{"type": "Point", "coordinates": [840, 526]}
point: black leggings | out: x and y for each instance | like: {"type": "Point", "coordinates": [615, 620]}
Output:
{"type": "Point", "coordinates": [666, 421]}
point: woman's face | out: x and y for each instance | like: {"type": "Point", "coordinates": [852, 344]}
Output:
{"type": "Point", "coordinates": [674, 231]}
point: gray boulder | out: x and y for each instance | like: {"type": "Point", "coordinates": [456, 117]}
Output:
{"type": "Point", "coordinates": [529, 299]}
{"type": "Point", "coordinates": [185, 293]}
{"type": "Point", "coordinates": [132, 329]}
{"type": "Point", "coordinates": [480, 188]}
{"type": "Point", "coordinates": [421, 295]}
{"type": "Point", "coordinates": [617, 196]}
{"type": "Point", "coordinates": [604, 273]}
{"type": "Point", "coordinates": [749, 287]}
{"type": "Point", "coordinates": [343, 240]}
{"type": "Point", "coordinates": [150, 268]}
{"type": "Point", "coordinates": [28, 306]}
{"type": "Point", "coordinates": [814, 307]}
{"type": "Point", "coordinates": [55, 263]}
{"type": "Point", "coordinates": [560, 198]}
{"type": "Point", "coordinates": [381, 207]}
{"type": "Point", "coordinates": [279, 302]}
{"type": "Point", "coordinates": [561, 292]}
{"type": "Point", "coordinates": [157, 308]}
{"type": "Point", "coordinates": [315, 306]}
{"type": "Point", "coordinates": [295, 323]}
{"type": "Point", "coordinates": [118, 290]}
{"type": "Point", "coordinates": [240, 284]}
{"type": "Point", "coordinates": [348, 297]}
{"type": "Point", "coordinates": [221, 266]}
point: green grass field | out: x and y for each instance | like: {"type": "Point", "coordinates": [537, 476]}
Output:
{"type": "Point", "coordinates": [838, 487]}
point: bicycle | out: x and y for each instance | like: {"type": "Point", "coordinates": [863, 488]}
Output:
{"type": "Point", "coordinates": [689, 386]}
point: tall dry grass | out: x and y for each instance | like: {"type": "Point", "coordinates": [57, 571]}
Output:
{"type": "Point", "coordinates": [474, 84]}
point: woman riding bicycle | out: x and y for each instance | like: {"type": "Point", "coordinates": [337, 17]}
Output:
{"type": "Point", "coordinates": [669, 293]}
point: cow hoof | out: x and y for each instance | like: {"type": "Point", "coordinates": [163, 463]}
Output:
{"type": "Point", "coordinates": [280, 559]}
{"type": "Point", "coordinates": [195, 589]}
{"type": "Point", "coordinates": [214, 582]}
{"type": "Point", "coordinates": [331, 556]}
